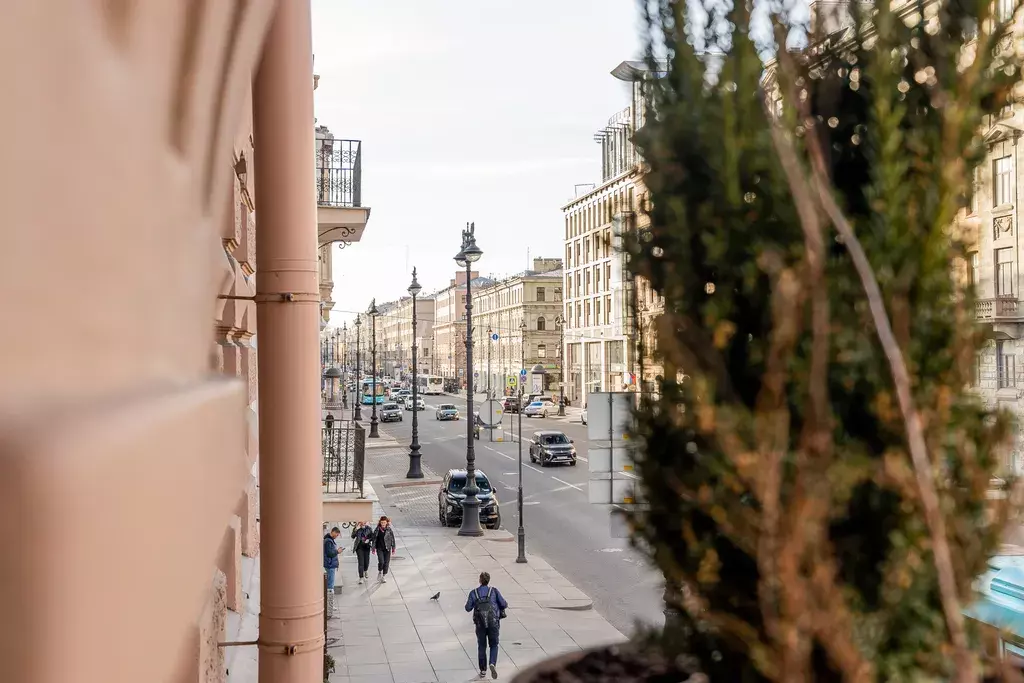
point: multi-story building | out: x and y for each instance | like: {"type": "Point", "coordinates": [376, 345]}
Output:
{"type": "Point", "coordinates": [449, 334]}
{"type": "Point", "coordinates": [515, 326]}
{"type": "Point", "coordinates": [610, 315]}
{"type": "Point", "coordinates": [142, 435]}
{"type": "Point", "coordinates": [396, 335]}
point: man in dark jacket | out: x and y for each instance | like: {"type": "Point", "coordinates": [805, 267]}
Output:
{"type": "Point", "coordinates": [331, 565]}
{"type": "Point", "coordinates": [487, 606]}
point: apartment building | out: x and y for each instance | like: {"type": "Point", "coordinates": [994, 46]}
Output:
{"type": "Point", "coordinates": [449, 331]}
{"type": "Point", "coordinates": [610, 315]}
{"type": "Point", "coordinates": [396, 335]}
{"type": "Point", "coordinates": [516, 325]}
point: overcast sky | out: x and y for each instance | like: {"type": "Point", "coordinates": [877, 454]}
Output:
{"type": "Point", "coordinates": [468, 110]}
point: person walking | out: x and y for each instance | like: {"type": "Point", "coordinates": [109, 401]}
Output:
{"type": "Point", "coordinates": [331, 566]}
{"type": "Point", "coordinates": [488, 608]}
{"type": "Point", "coordinates": [383, 546]}
{"type": "Point", "coordinates": [362, 543]}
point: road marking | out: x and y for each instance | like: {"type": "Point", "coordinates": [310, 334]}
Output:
{"type": "Point", "coordinates": [610, 550]}
{"type": "Point", "coordinates": [495, 450]}
{"type": "Point", "coordinates": [567, 483]}
{"type": "Point", "coordinates": [531, 502]}
{"type": "Point", "coordinates": [533, 468]}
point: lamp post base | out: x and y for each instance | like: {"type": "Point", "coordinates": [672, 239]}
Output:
{"type": "Point", "coordinates": [561, 407]}
{"type": "Point", "coordinates": [471, 519]}
{"type": "Point", "coordinates": [415, 471]}
{"type": "Point", "coordinates": [373, 430]}
{"type": "Point", "coordinates": [357, 414]}
{"type": "Point", "coordinates": [521, 537]}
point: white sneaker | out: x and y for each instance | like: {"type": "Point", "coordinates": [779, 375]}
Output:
{"type": "Point", "coordinates": [383, 579]}
{"type": "Point", "coordinates": [494, 671]}
{"type": "Point", "coordinates": [360, 581]}
{"type": "Point", "coordinates": [483, 674]}
{"type": "Point", "coordinates": [380, 577]}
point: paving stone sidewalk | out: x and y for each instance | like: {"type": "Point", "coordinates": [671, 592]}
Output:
{"type": "Point", "coordinates": [394, 633]}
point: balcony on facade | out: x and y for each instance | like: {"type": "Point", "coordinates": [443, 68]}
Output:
{"type": "Point", "coordinates": [997, 309]}
{"type": "Point", "coordinates": [341, 216]}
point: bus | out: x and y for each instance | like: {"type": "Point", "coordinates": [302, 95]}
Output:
{"type": "Point", "coordinates": [367, 392]}
{"type": "Point", "coordinates": [430, 385]}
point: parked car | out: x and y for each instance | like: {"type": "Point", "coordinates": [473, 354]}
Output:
{"type": "Point", "coordinates": [449, 499]}
{"type": "Point", "coordinates": [420, 405]}
{"type": "Point", "coordinates": [552, 448]}
{"type": "Point", "coordinates": [390, 412]}
{"type": "Point", "coordinates": [539, 408]}
{"type": "Point", "coordinates": [510, 404]}
{"type": "Point", "coordinates": [446, 411]}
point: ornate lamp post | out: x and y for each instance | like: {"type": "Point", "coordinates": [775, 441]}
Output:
{"type": "Point", "coordinates": [469, 254]}
{"type": "Point", "coordinates": [521, 533]}
{"type": "Point", "coordinates": [414, 448]}
{"type": "Point", "coordinates": [560, 322]}
{"type": "Point", "coordinates": [357, 410]}
{"type": "Point", "coordinates": [344, 365]}
{"type": "Point", "coordinates": [373, 312]}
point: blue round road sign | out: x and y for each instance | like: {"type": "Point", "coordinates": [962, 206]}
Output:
{"type": "Point", "coordinates": [522, 373]}
{"type": "Point", "coordinates": [494, 337]}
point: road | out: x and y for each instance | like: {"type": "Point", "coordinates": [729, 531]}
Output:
{"type": "Point", "coordinates": [561, 524]}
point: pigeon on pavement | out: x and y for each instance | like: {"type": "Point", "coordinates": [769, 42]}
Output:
{"type": "Point", "coordinates": [435, 596]}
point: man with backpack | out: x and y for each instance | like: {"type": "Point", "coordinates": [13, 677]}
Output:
{"type": "Point", "coordinates": [488, 608]}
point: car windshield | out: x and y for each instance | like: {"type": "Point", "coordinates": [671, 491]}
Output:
{"type": "Point", "coordinates": [554, 439]}
{"type": "Point", "coordinates": [447, 406]}
{"type": "Point", "coordinates": [458, 483]}
{"type": "Point", "coordinates": [536, 404]}
{"type": "Point", "coordinates": [390, 406]}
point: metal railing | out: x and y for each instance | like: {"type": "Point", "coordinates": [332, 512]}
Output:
{"type": "Point", "coordinates": [343, 445]}
{"type": "Point", "coordinates": [1000, 307]}
{"type": "Point", "coordinates": [339, 173]}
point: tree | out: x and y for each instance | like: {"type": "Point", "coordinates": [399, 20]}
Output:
{"type": "Point", "coordinates": [817, 484]}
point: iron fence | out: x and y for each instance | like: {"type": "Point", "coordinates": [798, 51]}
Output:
{"type": "Point", "coordinates": [339, 173]}
{"type": "Point", "coordinates": [343, 444]}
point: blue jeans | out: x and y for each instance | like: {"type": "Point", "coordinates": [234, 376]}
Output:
{"type": "Point", "coordinates": [331, 572]}
{"type": "Point", "coordinates": [485, 636]}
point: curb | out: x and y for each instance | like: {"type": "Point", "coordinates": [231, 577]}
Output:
{"type": "Point", "coordinates": [579, 605]}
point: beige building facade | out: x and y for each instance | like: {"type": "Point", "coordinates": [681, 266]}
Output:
{"type": "Point", "coordinates": [449, 331]}
{"type": "Point", "coordinates": [515, 323]}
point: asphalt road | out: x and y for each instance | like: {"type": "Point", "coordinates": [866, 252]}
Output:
{"type": "Point", "coordinates": [561, 524]}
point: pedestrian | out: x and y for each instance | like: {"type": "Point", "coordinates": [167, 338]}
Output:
{"type": "Point", "coordinates": [330, 421]}
{"type": "Point", "coordinates": [361, 546]}
{"type": "Point", "coordinates": [331, 565]}
{"type": "Point", "coordinates": [488, 608]}
{"type": "Point", "coordinates": [383, 546]}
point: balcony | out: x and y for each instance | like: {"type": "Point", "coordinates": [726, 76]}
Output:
{"type": "Point", "coordinates": [343, 448]}
{"type": "Point", "coordinates": [341, 216]}
{"type": "Point", "coordinates": [1000, 308]}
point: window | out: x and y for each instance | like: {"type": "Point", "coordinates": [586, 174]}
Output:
{"type": "Point", "coordinates": [608, 273]}
{"type": "Point", "coordinates": [1004, 272]}
{"type": "Point", "coordinates": [1005, 366]}
{"type": "Point", "coordinates": [541, 323]}
{"type": "Point", "coordinates": [973, 268]}
{"type": "Point", "coordinates": [542, 351]}
{"type": "Point", "coordinates": [540, 294]}
{"type": "Point", "coordinates": [1002, 181]}
{"type": "Point", "coordinates": [976, 371]}
{"type": "Point", "coordinates": [1004, 10]}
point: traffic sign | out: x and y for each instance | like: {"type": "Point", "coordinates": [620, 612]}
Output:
{"type": "Point", "coordinates": [512, 381]}
{"type": "Point", "coordinates": [490, 413]}
{"type": "Point", "coordinates": [476, 374]}
{"type": "Point", "coordinates": [494, 337]}
{"type": "Point", "coordinates": [522, 373]}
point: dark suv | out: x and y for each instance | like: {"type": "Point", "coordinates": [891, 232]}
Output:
{"type": "Point", "coordinates": [551, 448]}
{"type": "Point", "coordinates": [449, 499]}
{"type": "Point", "coordinates": [510, 404]}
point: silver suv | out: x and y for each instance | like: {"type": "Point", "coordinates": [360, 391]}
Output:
{"type": "Point", "coordinates": [390, 412]}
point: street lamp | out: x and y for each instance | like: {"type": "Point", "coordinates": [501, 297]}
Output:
{"type": "Point", "coordinates": [414, 448]}
{"type": "Point", "coordinates": [372, 312]}
{"type": "Point", "coordinates": [560, 322]}
{"type": "Point", "coordinates": [521, 533]}
{"type": "Point", "coordinates": [357, 410]}
{"type": "Point", "coordinates": [469, 254]}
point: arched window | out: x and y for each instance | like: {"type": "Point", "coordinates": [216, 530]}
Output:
{"type": "Point", "coordinates": [540, 324]}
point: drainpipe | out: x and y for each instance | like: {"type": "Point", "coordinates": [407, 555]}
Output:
{"type": "Point", "coordinates": [287, 304]}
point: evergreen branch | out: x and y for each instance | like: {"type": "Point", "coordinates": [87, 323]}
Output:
{"type": "Point", "coordinates": [966, 669]}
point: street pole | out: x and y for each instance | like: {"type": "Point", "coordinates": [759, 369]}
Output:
{"type": "Point", "coordinates": [560, 321]}
{"type": "Point", "coordinates": [373, 381]}
{"type": "Point", "coordinates": [357, 409]}
{"type": "Point", "coordinates": [415, 471]}
{"type": "Point", "coordinates": [490, 391]}
{"type": "Point", "coordinates": [521, 533]}
{"type": "Point", "coordinates": [469, 254]}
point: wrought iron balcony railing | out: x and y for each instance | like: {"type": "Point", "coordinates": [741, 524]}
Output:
{"type": "Point", "coordinates": [339, 173]}
{"type": "Point", "coordinates": [344, 449]}
{"type": "Point", "coordinates": [998, 308]}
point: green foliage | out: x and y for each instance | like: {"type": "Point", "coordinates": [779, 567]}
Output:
{"type": "Point", "coordinates": [846, 577]}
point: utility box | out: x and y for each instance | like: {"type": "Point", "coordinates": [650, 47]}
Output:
{"type": "Point", "coordinates": [609, 454]}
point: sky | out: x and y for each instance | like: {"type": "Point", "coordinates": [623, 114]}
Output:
{"type": "Point", "coordinates": [468, 110]}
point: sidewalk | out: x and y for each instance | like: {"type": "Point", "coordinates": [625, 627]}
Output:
{"type": "Point", "coordinates": [394, 632]}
